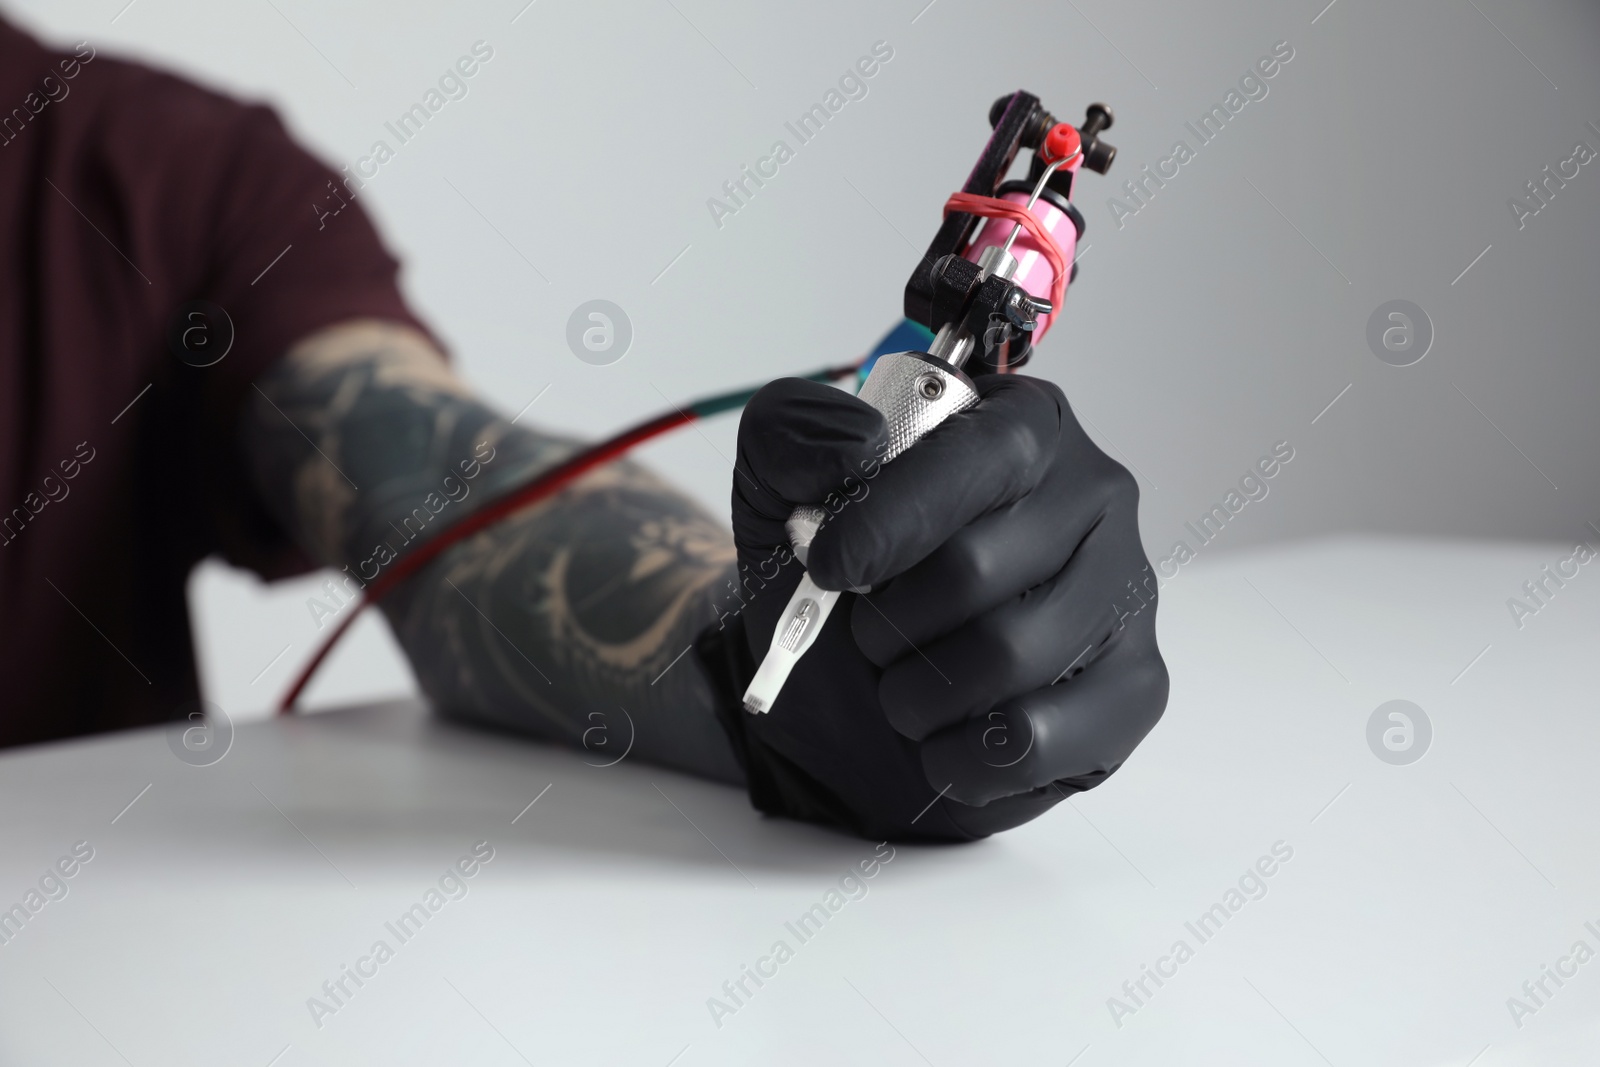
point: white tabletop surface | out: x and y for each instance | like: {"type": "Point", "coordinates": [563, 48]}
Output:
{"type": "Point", "coordinates": [1417, 900]}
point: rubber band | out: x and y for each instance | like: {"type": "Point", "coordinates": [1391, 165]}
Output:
{"type": "Point", "coordinates": [989, 207]}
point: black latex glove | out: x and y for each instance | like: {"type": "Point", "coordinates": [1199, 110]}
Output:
{"type": "Point", "coordinates": [1005, 656]}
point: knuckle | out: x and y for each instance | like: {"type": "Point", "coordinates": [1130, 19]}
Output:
{"type": "Point", "coordinates": [1056, 394]}
{"type": "Point", "coordinates": [1122, 482]}
{"type": "Point", "coordinates": [971, 568]}
{"type": "Point", "coordinates": [1114, 484]}
{"type": "Point", "coordinates": [1148, 685]}
{"type": "Point", "coordinates": [1024, 448]}
{"type": "Point", "coordinates": [1156, 683]}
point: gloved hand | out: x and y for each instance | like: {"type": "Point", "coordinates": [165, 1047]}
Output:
{"type": "Point", "coordinates": [1005, 656]}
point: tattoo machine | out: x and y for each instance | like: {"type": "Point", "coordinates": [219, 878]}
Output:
{"type": "Point", "coordinates": [987, 293]}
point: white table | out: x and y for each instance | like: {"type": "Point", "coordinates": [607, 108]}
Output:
{"type": "Point", "coordinates": [1417, 900]}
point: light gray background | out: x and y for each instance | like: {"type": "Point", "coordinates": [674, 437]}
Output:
{"type": "Point", "coordinates": [1219, 320]}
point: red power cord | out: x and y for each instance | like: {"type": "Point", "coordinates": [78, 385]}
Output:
{"type": "Point", "coordinates": [545, 485]}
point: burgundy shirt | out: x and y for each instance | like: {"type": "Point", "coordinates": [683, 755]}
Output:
{"type": "Point", "coordinates": [125, 195]}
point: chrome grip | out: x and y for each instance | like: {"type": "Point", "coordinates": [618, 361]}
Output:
{"type": "Point", "coordinates": [915, 392]}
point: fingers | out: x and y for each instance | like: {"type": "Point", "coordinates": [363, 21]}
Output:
{"type": "Point", "coordinates": [799, 441]}
{"type": "Point", "coordinates": [1024, 644]}
{"type": "Point", "coordinates": [992, 560]}
{"type": "Point", "coordinates": [1083, 728]}
{"type": "Point", "coordinates": [976, 461]}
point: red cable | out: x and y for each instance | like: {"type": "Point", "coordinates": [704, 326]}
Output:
{"type": "Point", "coordinates": [545, 485]}
{"type": "Point", "coordinates": [989, 207]}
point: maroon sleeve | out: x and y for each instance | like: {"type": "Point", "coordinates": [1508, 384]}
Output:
{"type": "Point", "coordinates": [280, 242]}
{"type": "Point", "coordinates": [127, 194]}
{"type": "Point", "coordinates": [291, 250]}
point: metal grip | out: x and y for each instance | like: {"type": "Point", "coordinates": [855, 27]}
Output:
{"type": "Point", "coordinates": [915, 392]}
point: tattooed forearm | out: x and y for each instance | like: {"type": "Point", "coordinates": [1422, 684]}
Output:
{"type": "Point", "coordinates": [569, 620]}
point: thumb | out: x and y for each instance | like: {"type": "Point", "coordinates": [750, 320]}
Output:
{"type": "Point", "coordinates": [799, 442]}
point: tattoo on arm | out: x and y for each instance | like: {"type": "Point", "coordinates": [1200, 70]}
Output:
{"type": "Point", "coordinates": [569, 620]}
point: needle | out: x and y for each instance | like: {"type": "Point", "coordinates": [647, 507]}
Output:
{"type": "Point", "coordinates": [1037, 189]}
